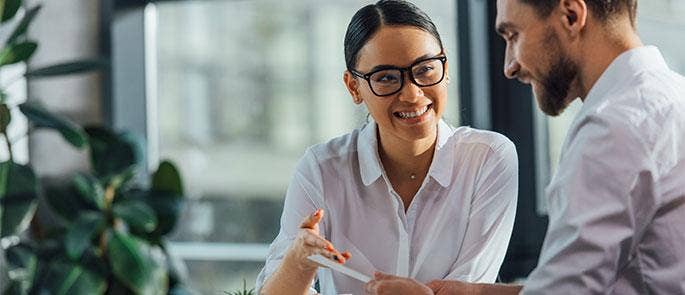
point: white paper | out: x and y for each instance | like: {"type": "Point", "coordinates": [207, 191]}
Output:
{"type": "Point", "coordinates": [318, 258]}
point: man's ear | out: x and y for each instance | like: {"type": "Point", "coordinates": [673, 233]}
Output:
{"type": "Point", "coordinates": [574, 15]}
{"type": "Point", "coordinates": [352, 86]}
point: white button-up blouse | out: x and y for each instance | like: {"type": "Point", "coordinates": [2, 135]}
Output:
{"type": "Point", "coordinates": [457, 226]}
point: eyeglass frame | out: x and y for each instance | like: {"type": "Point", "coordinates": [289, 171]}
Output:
{"type": "Point", "coordinates": [367, 76]}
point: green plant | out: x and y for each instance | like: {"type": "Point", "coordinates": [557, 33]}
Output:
{"type": "Point", "coordinates": [242, 291]}
{"type": "Point", "coordinates": [104, 231]}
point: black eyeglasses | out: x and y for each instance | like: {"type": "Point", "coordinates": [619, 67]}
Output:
{"type": "Point", "coordinates": [390, 80]}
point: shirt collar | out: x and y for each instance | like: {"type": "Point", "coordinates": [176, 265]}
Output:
{"type": "Point", "coordinates": [370, 165]}
{"type": "Point", "coordinates": [625, 66]}
{"type": "Point", "coordinates": [443, 159]}
{"type": "Point", "coordinates": [367, 149]}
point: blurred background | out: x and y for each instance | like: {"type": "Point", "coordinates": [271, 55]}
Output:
{"type": "Point", "coordinates": [235, 90]}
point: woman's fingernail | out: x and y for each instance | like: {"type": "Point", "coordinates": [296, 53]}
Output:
{"type": "Point", "coordinates": [329, 247]}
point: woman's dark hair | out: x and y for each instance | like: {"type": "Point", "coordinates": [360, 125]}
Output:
{"type": "Point", "coordinates": [368, 20]}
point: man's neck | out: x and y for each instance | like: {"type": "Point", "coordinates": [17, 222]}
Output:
{"type": "Point", "coordinates": [600, 50]}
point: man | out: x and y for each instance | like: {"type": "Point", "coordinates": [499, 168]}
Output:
{"type": "Point", "coordinates": [617, 201]}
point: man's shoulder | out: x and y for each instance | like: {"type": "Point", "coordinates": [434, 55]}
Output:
{"type": "Point", "coordinates": [658, 90]}
{"type": "Point", "coordinates": [643, 115]}
{"type": "Point", "coordinates": [647, 102]}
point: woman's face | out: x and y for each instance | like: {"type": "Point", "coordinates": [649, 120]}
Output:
{"type": "Point", "coordinates": [412, 113]}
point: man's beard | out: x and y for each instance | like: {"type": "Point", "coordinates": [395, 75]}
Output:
{"type": "Point", "coordinates": [552, 95]}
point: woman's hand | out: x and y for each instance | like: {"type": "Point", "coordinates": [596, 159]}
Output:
{"type": "Point", "coordinates": [388, 284]}
{"type": "Point", "coordinates": [444, 287]}
{"type": "Point", "coordinates": [309, 242]}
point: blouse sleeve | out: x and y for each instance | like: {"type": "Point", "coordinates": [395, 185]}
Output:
{"type": "Point", "coordinates": [303, 197]}
{"type": "Point", "coordinates": [491, 218]}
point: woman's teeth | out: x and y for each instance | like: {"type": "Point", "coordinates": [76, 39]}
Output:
{"type": "Point", "coordinates": [409, 115]}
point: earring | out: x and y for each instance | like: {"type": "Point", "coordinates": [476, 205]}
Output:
{"type": "Point", "coordinates": [448, 79]}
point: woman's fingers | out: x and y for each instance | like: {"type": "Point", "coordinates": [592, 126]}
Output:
{"type": "Point", "coordinates": [435, 285]}
{"type": "Point", "coordinates": [312, 220]}
{"type": "Point", "coordinates": [315, 240]}
{"type": "Point", "coordinates": [383, 276]}
{"type": "Point", "coordinates": [321, 245]}
{"type": "Point", "coordinates": [325, 253]}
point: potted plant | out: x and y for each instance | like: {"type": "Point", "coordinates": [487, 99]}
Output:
{"type": "Point", "coordinates": [101, 232]}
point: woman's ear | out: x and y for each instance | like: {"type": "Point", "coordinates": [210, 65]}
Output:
{"type": "Point", "coordinates": [352, 86]}
{"type": "Point", "coordinates": [574, 14]}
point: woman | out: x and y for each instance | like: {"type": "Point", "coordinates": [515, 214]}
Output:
{"type": "Point", "coordinates": [406, 194]}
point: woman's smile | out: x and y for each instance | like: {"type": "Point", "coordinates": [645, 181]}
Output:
{"type": "Point", "coordinates": [415, 116]}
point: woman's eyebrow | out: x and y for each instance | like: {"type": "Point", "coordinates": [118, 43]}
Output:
{"type": "Point", "coordinates": [385, 67]}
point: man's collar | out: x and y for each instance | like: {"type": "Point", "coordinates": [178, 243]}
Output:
{"type": "Point", "coordinates": [625, 66]}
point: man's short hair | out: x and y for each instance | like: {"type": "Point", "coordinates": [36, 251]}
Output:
{"type": "Point", "coordinates": [603, 10]}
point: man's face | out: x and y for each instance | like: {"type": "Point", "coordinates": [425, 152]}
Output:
{"type": "Point", "coordinates": [536, 55]}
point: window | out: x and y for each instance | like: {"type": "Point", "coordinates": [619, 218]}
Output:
{"type": "Point", "coordinates": [243, 87]}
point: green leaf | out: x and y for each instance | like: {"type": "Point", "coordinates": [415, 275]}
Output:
{"type": "Point", "coordinates": [23, 25]}
{"type": "Point", "coordinates": [15, 288]}
{"type": "Point", "coordinates": [136, 264]}
{"type": "Point", "coordinates": [20, 256]}
{"type": "Point", "coordinates": [40, 117]}
{"type": "Point", "coordinates": [81, 233]}
{"type": "Point", "coordinates": [113, 154]}
{"type": "Point", "coordinates": [4, 174]}
{"type": "Point", "coordinates": [117, 287]}
{"type": "Point", "coordinates": [90, 190]}
{"type": "Point", "coordinates": [167, 207]}
{"type": "Point", "coordinates": [167, 178]}
{"type": "Point", "coordinates": [3, 96]}
{"type": "Point", "coordinates": [22, 265]}
{"type": "Point", "coordinates": [243, 291]}
{"type": "Point", "coordinates": [15, 53]}
{"type": "Point", "coordinates": [10, 9]}
{"type": "Point", "coordinates": [121, 181]}
{"type": "Point", "coordinates": [19, 201]}
{"type": "Point", "coordinates": [138, 215]}
{"type": "Point", "coordinates": [70, 278]}
{"type": "Point", "coordinates": [66, 201]}
{"type": "Point", "coordinates": [93, 260]}
{"type": "Point", "coordinates": [5, 117]}
{"type": "Point", "coordinates": [68, 68]}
